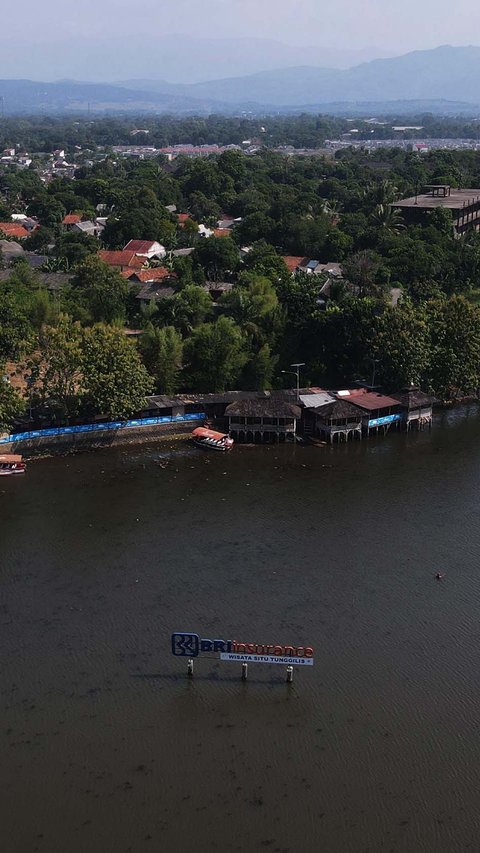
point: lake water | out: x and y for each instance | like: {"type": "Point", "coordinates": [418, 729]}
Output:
{"type": "Point", "coordinates": [107, 747]}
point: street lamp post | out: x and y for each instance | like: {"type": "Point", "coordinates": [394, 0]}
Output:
{"type": "Point", "coordinates": [296, 373]}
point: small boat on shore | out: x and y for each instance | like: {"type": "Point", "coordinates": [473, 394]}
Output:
{"type": "Point", "coordinates": [209, 439]}
{"type": "Point", "coordinates": [11, 463]}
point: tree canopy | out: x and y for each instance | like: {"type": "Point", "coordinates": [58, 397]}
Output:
{"type": "Point", "coordinates": [308, 262]}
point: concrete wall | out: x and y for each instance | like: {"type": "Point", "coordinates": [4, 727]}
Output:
{"type": "Point", "coordinates": [80, 442]}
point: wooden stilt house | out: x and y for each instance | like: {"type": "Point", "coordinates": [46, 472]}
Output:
{"type": "Point", "coordinates": [417, 408]}
{"type": "Point", "coordinates": [262, 420]}
{"type": "Point", "coordinates": [338, 420]}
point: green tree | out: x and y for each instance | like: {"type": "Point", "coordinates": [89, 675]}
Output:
{"type": "Point", "coordinates": [401, 346]}
{"type": "Point", "coordinates": [260, 369]}
{"type": "Point", "coordinates": [454, 329]}
{"type": "Point", "coordinates": [103, 290]}
{"type": "Point", "coordinates": [442, 219]}
{"type": "Point", "coordinates": [47, 209]}
{"type": "Point", "coordinates": [11, 404]}
{"type": "Point", "coordinates": [138, 217]}
{"type": "Point", "coordinates": [204, 209]}
{"type": "Point", "coordinates": [343, 339]}
{"type": "Point", "coordinates": [190, 307]}
{"type": "Point", "coordinates": [56, 369]}
{"type": "Point", "coordinates": [252, 304]}
{"type": "Point", "coordinates": [218, 256]}
{"type": "Point", "coordinates": [337, 246]}
{"type": "Point", "coordinates": [215, 356]}
{"type": "Point", "coordinates": [254, 227]}
{"type": "Point", "coordinates": [364, 270]}
{"type": "Point", "coordinates": [23, 279]}
{"type": "Point", "coordinates": [115, 381]}
{"type": "Point", "coordinates": [38, 240]}
{"type": "Point", "coordinates": [232, 163]}
{"type": "Point", "coordinates": [264, 260]}
{"type": "Point", "coordinates": [161, 350]}
{"type": "Point", "coordinates": [15, 329]}
{"type": "Point", "coordinates": [299, 297]}
{"type": "Point", "coordinates": [387, 220]}
{"type": "Point", "coordinates": [42, 310]}
{"type": "Point", "coordinates": [75, 247]}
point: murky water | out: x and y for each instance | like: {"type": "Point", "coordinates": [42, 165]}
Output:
{"type": "Point", "coordinates": [107, 747]}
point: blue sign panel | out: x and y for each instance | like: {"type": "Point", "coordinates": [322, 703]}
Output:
{"type": "Point", "coordinates": [83, 428]}
{"type": "Point", "coordinates": [185, 645]}
{"type": "Point", "coordinates": [387, 419]}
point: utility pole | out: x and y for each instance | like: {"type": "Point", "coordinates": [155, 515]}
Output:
{"type": "Point", "coordinates": [296, 373]}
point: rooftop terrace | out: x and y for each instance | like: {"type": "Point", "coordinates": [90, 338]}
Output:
{"type": "Point", "coordinates": [453, 199]}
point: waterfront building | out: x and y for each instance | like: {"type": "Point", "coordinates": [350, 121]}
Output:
{"type": "Point", "coordinates": [337, 420]}
{"type": "Point", "coordinates": [276, 416]}
{"type": "Point", "coordinates": [378, 412]}
{"type": "Point", "coordinates": [417, 408]}
{"type": "Point", "coordinates": [267, 419]}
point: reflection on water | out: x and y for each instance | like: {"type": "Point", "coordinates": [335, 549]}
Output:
{"type": "Point", "coordinates": [106, 746]}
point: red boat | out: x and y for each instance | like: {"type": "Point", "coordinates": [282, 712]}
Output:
{"type": "Point", "coordinates": [209, 439]}
{"type": "Point", "coordinates": [10, 463]}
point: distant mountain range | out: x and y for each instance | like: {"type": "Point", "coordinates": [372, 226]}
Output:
{"type": "Point", "coordinates": [176, 58]}
{"type": "Point", "coordinates": [443, 80]}
{"type": "Point", "coordinates": [69, 96]}
{"type": "Point", "coordinates": [448, 73]}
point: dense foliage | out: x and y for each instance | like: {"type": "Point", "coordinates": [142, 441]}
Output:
{"type": "Point", "coordinates": [68, 337]}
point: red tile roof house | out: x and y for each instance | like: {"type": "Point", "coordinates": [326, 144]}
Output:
{"type": "Point", "coordinates": [11, 229]}
{"type": "Point", "coordinates": [121, 259]}
{"type": "Point", "coordinates": [293, 262]}
{"type": "Point", "coordinates": [378, 410]}
{"type": "Point", "coordinates": [70, 220]}
{"type": "Point", "coordinates": [182, 218]}
{"type": "Point", "coordinates": [146, 249]}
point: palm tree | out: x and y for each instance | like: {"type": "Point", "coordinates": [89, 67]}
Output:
{"type": "Point", "coordinates": [332, 209]}
{"type": "Point", "coordinates": [381, 194]}
{"type": "Point", "coordinates": [387, 219]}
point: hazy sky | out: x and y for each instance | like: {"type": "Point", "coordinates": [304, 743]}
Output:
{"type": "Point", "coordinates": [393, 25]}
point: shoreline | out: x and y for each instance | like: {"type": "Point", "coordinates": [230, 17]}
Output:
{"type": "Point", "coordinates": [70, 445]}
{"type": "Point", "coordinates": [74, 443]}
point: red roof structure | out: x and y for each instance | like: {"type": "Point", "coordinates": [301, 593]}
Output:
{"type": "Point", "coordinates": [71, 219]}
{"type": "Point", "coordinates": [182, 218]}
{"type": "Point", "coordinates": [222, 232]}
{"type": "Point", "coordinates": [120, 258]}
{"type": "Point", "coordinates": [292, 262]}
{"type": "Point", "coordinates": [11, 229]}
{"type": "Point", "coordinates": [368, 400]}
{"type": "Point", "coordinates": [140, 247]}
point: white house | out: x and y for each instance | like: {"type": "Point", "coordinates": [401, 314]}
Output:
{"type": "Point", "coordinates": [146, 249]}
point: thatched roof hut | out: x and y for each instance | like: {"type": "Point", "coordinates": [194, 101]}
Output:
{"type": "Point", "coordinates": [271, 407]}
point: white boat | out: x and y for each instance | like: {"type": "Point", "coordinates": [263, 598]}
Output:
{"type": "Point", "coordinates": [209, 439]}
{"type": "Point", "coordinates": [11, 463]}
